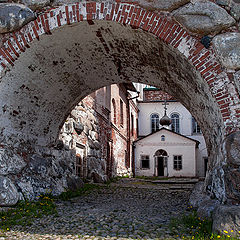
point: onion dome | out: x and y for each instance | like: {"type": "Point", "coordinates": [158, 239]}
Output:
{"type": "Point", "coordinates": [165, 120]}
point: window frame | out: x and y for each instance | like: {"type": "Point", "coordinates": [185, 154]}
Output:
{"type": "Point", "coordinates": [132, 124]}
{"type": "Point", "coordinates": [114, 111]}
{"type": "Point", "coordinates": [195, 127]}
{"type": "Point", "coordinates": [121, 113]}
{"type": "Point", "coordinates": [174, 122]}
{"type": "Point", "coordinates": [178, 160]}
{"type": "Point", "coordinates": [144, 158]}
{"type": "Point", "coordinates": [156, 122]}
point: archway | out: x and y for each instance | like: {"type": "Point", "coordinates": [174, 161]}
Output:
{"type": "Point", "coordinates": [110, 43]}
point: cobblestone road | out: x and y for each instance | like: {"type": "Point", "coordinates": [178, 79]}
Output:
{"type": "Point", "coordinates": [133, 211]}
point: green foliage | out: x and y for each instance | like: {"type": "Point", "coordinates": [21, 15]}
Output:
{"type": "Point", "coordinates": [25, 211]}
{"type": "Point", "coordinates": [65, 196]}
{"type": "Point", "coordinates": [115, 179]}
{"type": "Point", "coordinates": [151, 178]}
{"type": "Point", "coordinates": [192, 227]}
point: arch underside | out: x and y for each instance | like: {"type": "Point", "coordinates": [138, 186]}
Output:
{"type": "Point", "coordinates": [51, 77]}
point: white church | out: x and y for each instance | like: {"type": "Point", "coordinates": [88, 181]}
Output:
{"type": "Point", "coordinates": [170, 142]}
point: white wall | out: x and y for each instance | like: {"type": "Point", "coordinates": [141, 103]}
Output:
{"type": "Point", "coordinates": [148, 108]}
{"type": "Point", "coordinates": [173, 145]}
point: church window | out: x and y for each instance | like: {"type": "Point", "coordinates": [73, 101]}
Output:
{"type": "Point", "coordinates": [121, 112]}
{"type": "Point", "coordinates": [163, 138]}
{"type": "Point", "coordinates": [195, 127]}
{"type": "Point", "coordinates": [175, 125]}
{"type": "Point", "coordinates": [177, 162]}
{"type": "Point", "coordinates": [132, 125]}
{"type": "Point", "coordinates": [145, 163]}
{"type": "Point", "coordinates": [154, 122]}
{"type": "Point", "coordinates": [114, 111]}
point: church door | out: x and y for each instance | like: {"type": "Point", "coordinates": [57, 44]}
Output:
{"type": "Point", "coordinates": [160, 166]}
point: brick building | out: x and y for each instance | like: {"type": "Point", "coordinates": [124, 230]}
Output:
{"type": "Point", "coordinates": [100, 130]}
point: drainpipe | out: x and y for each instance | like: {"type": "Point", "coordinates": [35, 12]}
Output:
{"type": "Point", "coordinates": [129, 134]}
{"type": "Point", "coordinates": [133, 159]}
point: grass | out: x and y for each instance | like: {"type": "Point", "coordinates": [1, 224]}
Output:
{"type": "Point", "coordinates": [192, 227]}
{"type": "Point", "coordinates": [151, 178]}
{"type": "Point", "coordinates": [25, 211]}
{"type": "Point", "coordinates": [115, 179]}
{"type": "Point", "coordinates": [65, 196]}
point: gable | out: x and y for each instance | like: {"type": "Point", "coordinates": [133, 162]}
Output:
{"type": "Point", "coordinates": [170, 137]}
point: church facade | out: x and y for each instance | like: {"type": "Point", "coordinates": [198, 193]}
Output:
{"type": "Point", "coordinates": [177, 150]}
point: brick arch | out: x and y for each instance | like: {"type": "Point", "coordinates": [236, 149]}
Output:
{"type": "Point", "coordinates": [160, 25]}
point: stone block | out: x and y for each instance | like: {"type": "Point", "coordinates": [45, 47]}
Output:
{"type": "Point", "coordinates": [39, 165]}
{"type": "Point", "coordinates": [206, 208]}
{"type": "Point", "coordinates": [98, 178]}
{"type": "Point", "coordinates": [232, 183]}
{"type": "Point", "coordinates": [226, 218]}
{"type": "Point", "coordinates": [36, 4]}
{"type": "Point", "coordinates": [14, 16]}
{"type": "Point", "coordinates": [74, 183]}
{"type": "Point", "coordinates": [10, 162]}
{"type": "Point", "coordinates": [198, 17]}
{"type": "Point", "coordinates": [9, 195]}
{"type": "Point", "coordinates": [223, 2]}
{"type": "Point", "coordinates": [197, 195]}
{"type": "Point", "coordinates": [162, 5]}
{"type": "Point", "coordinates": [227, 47]}
{"type": "Point", "coordinates": [235, 10]}
{"type": "Point", "coordinates": [232, 147]}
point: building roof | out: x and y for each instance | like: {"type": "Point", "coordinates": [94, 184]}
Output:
{"type": "Point", "coordinates": [163, 128]}
{"type": "Point", "coordinates": [150, 88]}
{"type": "Point", "coordinates": [155, 101]}
{"type": "Point", "coordinates": [130, 87]}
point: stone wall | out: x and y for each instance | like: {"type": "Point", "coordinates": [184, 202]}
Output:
{"type": "Point", "coordinates": [91, 129]}
{"type": "Point", "coordinates": [105, 140]}
{"type": "Point", "coordinates": [27, 172]}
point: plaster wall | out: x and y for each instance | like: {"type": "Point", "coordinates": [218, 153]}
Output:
{"type": "Point", "coordinates": [173, 145]}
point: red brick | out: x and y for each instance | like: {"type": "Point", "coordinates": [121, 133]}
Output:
{"type": "Point", "coordinates": [4, 55]}
{"type": "Point", "coordinates": [67, 15]}
{"type": "Point", "coordinates": [17, 42]}
{"type": "Point", "coordinates": [12, 48]}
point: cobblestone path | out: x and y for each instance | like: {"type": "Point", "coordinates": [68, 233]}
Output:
{"type": "Point", "coordinates": [134, 211]}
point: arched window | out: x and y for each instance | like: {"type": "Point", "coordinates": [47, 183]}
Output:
{"type": "Point", "coordinates": [114, 111]}
{"type": "Point", "coordinates": [163, 138]}
{"type": "Point", "coordinates": [161, 152]}
{"type": "Point", "coordinates": [195, 127]}
{"type": "Point", "coordinates": [175, 126]}
{"type": "Point", "coordinates": [154, 122]}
